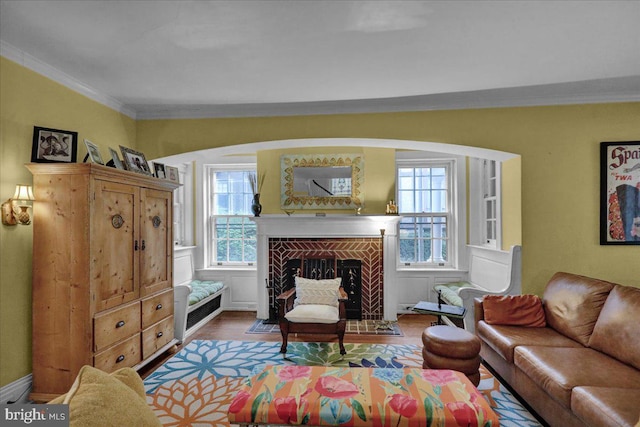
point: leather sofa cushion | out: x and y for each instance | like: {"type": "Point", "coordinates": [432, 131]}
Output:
{"type": "Point", "coordinates": [572, 304]}
{"type": "Point", "coordinates": [504, 339]}
{"type": "Point", "coordinates": [619, 335]}
{"type": "Point", "coordinates": [606, 406]}
{"type": "Point", "coordinates": [558, 370]}
{"type": "Point", "coordinates": [515, 310]}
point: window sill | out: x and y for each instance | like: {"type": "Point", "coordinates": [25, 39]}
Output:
{"type": "Point", "coordinates": [419, 268]}
{"type": "Point", "coordinates": [230, 267]}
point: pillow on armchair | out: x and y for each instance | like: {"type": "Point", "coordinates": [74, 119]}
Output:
{"type": "Point", "coordinates": [311, 291]}
{"type": "Point", "coordinates": [514, 310]}
{"type": "Point", "coordinates": [316, 301]}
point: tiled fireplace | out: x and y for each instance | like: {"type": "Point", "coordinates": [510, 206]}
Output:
{"type": "Point", "coordinates": [333, 253]}
{"type": "Point", "coordinates": [368, 239]}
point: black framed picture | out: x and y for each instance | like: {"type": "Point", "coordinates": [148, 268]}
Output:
{"type": "Point", "coordinates": [54, 145]}
{"type": "Point", "coordinates": [158, 169]}
{"type": "Point", "coordinates": [620, 193]}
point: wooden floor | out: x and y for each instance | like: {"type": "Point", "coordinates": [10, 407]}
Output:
{"type": "Point", "coordinates": [232, 325]}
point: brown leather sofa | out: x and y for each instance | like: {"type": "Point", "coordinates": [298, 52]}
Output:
{"type": "Point", "coordinates": [583, 368]}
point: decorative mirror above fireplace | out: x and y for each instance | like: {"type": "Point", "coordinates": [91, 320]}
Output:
{"type": "Point", "coordinates": [321, 181]}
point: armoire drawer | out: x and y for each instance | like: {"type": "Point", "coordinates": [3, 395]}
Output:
{"type": "Point", "coordinates": [112, 326]}
{"type": "Point", "coordinates": [156, 336]}
{"type": "Point", "coordinates": [126, 354]}
{"type": "Point", "coordinates": [156, 308]}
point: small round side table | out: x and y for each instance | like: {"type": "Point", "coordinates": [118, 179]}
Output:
{"type": "Point", "coordinates": [448, 347]}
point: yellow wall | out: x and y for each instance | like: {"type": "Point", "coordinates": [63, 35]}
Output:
{"type": "Point", "coordinates": [26, 100]}
{"type": "Point", "coordinates": [559, 149]}
{"type": "Point", "coordinates": [560, 174]}
{"type": "Point", "coordinates": [378, 178]}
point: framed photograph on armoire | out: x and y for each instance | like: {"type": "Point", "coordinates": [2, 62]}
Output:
{"type": "Point", "coordinates": [54, 145]}
{"type": "Point", "coordinates": [620, 193]}
{"type": "Point", "coordinates": [159, 170]}
{"type": "Point", "coordinates": [135, 161]}
{"type": "Point", "coordinates": [172, 173]}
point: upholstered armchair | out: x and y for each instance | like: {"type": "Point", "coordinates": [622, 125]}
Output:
{"type": "Point", "coordinates": [313, 307]}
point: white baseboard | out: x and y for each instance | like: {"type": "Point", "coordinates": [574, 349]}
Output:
{"type": "Point", "coordinates": [17, 391]}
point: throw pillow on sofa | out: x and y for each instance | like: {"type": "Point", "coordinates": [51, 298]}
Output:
{"type": "Point", "coordinates": [514, 310]}
{"type": "Point", "coordinates": [100, 399]}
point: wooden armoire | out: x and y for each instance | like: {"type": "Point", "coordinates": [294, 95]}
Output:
{"type": "Point", "coordinates": [102, 271]}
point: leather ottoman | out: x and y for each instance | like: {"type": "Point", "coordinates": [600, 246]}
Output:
{"type": "Point", "coordinates": [447, 347]}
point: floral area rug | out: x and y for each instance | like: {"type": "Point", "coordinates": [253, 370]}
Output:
{"type": "Point", "coordinates": [196, 386]}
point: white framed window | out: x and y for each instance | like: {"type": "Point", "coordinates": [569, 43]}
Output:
{"type": "Point", "coordinates": [485, 199]}
{"type": "Point", "coordinates": [490, 186]}
{"type": "Point", "coordinates": [232, 236]}
{"type": "Point", "coordinates": [182, 196]}
{"type": "Point", "coordinates": [426, 200]}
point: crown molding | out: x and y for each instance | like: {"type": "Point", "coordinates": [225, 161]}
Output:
{"type": "Point", "coordinates": [583, 92]}
{"type": "Point", "coordinates": [34, 64]}
{"type": "Point", "coordinates": [613, 90]}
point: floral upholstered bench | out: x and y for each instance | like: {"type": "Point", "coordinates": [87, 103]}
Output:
{"type": "Point", "coordinates": [324, 395]}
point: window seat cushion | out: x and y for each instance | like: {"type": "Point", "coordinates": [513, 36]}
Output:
{"type": "Point", "coordinates": [449, 292]}
{"type": "Point", "coordinates": [201, 289]}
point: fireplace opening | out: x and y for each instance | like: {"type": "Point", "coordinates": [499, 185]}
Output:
{"type": "Point", "coordinates": [358, 261]}
{"type": "Point", "coordinates": [350, 270]}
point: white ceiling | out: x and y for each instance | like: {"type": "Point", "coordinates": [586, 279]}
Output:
{"type": "Point", "coordinates": [233, 58]}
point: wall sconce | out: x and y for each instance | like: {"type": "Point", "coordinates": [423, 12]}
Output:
{"type": "Point", "coordinates": [13, 216]}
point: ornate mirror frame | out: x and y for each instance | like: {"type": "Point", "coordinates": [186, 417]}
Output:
{"type": "Point", "coordinates": [290, 200]}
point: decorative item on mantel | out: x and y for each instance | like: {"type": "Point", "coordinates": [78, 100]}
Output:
{"type": "Point", "coordinates": [392, 208]}
{"type": "Point", "coordinates": [256, 181]}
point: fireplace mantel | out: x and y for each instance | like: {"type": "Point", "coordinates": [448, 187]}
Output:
{"type": "Point", "coordinates": [328, 227]}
